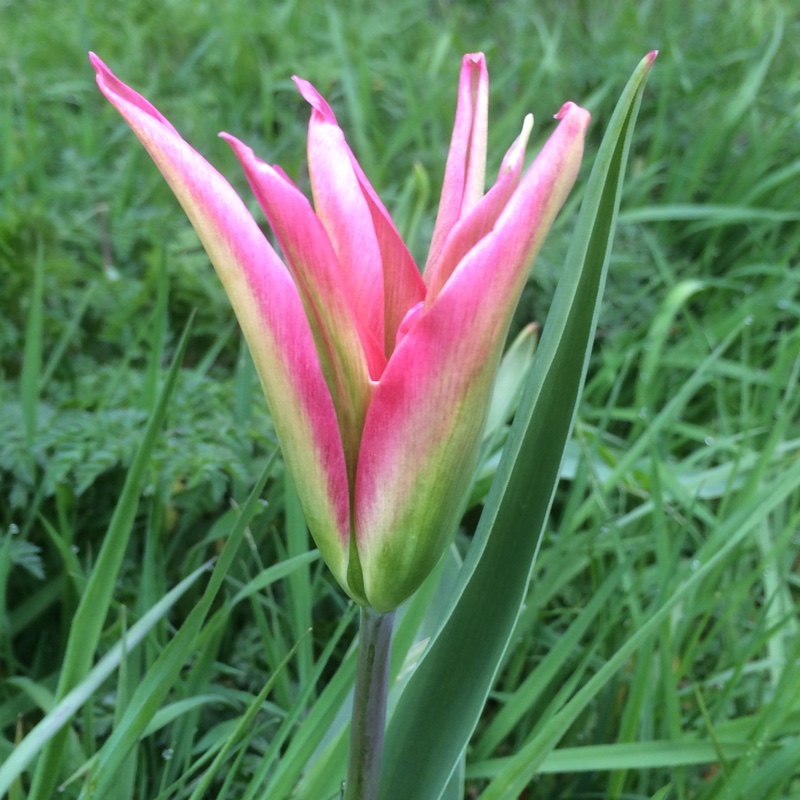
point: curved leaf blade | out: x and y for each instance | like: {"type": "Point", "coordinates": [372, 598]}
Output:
{"type": "Point", "coordinates": [454, 678]}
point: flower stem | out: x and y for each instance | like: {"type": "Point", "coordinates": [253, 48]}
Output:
{"type": "Point", "coordinates": [369, 705]}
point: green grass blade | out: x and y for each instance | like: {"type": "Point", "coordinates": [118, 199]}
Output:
{"type": "Point", "coordinates": [540, 678]}
{"type": "Point", "coordinates": [706, 213]}
{"type": "Point", "coordinates": [300, 707]}
{"type": "Point", "coordinates": [624, 756]}
{"type": "Point", "coordinates": [298, 584]}
{"type": "Point", "coordinates": [69, 334]}
{"type": "Point", "coordinates": [63, 711]}
{"type": "Point", "coordinates": [276, 572]}
{"type": "Point", "coordinates": [310, 733]}
{"type": "Point", "coordinates": [453, 680]}
{"type": "Point", "coordinates": [245, 722]}
{"type": "Point", "coordinates": [740, 103]}
{"type": "Point", "coordinates": [96, 599]}
{"type": "Point", "coordinates": [157, 332]}
{"type": "Point", "coordinates": [525, 764]}
{"type": "Point", "coordinates": [153, 688]}
{"type": "Point", "coordinates": [30, 380]}
{"type": "Point", "coordinates": [662, 794]}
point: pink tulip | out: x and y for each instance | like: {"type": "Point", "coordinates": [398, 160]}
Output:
{"type": "Point", "coordinates": [378, 380]}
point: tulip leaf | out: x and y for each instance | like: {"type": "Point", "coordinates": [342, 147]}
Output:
{"type": "Point", "coordinates": [437, 713]}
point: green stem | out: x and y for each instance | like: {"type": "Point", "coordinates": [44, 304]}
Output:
{"type": "Point", "coordinates": [369, 705]}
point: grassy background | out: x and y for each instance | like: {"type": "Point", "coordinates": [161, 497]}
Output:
{"type": "Point", "coordinates": [690, 414]}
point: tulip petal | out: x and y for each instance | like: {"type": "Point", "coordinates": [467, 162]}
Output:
{"type": "Point", "coordinates": [470, 229]}
{"type": "Point", "coordinates": [424, 425]}
{"type": "Point", "coordinates": [360, 228]}
{"type": "Point", "coordinates": [419, 450]}
{"type": "Point", "coordinates": [271, 315]}
{"type": "Point", "coordinates": [500, 265]}
{"type": "Point", "coordinates": [465, 171]}
{"type": "Point", "coordinates": [343, 343]}
{"type": "Point", "coordinates": [403, 287]}
{"type": "Point", "coordinates": [340, 205]}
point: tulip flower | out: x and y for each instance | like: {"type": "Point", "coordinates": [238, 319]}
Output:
{"type": "Point", "coordinates": [378, 378]}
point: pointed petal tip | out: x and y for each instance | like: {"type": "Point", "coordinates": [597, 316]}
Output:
{"type": "Point", "coordinates": [314, 99]}
{"type": "Point", "coordinates": [527, 127]}
{"type": "Point", "coordinates": [478, 59]}
{"type": "Point", "coordinates": [101, 69]}
{"type": "Point", "coordinates": [564, 110]}
{"type": "Point", "coordinates": [119, 94]}
{"type": "Point", "coordinates": [97, 62]}
{"type": "Point", "coordinates": [473, 68]}
{"type": "Point", "coordinates": [242, 151]}
{"type": "Point", "coordinates": [517, 150]}
{"type": "Point", "coordinates": [237, 145]}
{"type": "Point", "coordinates": [572, 111]}
{"type": "Point", "coordinates": [651, 57]}
{"type": "Point", "coordinates": [516, 153]}
{"type": "Point", "coordinates": [250, 161]}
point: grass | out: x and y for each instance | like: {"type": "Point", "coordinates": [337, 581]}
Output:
{"type": "Point", "coordinates": [683, 461]}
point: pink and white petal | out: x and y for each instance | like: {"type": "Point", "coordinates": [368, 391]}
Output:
{"type": "Point", "coordinates": [498, 262]}
{"type": "Point", "coordinates": [469, 230]}
{"type": "Point", "coordinates": [269, 310]}
{"type": "Point", "coordinates": [403, 287]}
{"type": "Point", "coordinates": [340, 204]}
{"type": "Point", "coordinates": [348, 352]}
{"type": "Point", "coordinates": [420, 445]}
{"type": "Point", "coordinates": [425, 422]}
{"type": "Point", "coordinates": [465, 171]}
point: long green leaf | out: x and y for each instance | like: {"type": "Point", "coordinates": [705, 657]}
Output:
{"type": "Point", "coordinates": [451, 684]}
